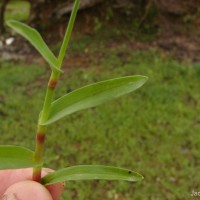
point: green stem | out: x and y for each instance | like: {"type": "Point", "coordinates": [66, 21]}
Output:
{"type": "Point", "coordinates": [41, 131]}
{"type": "Point", "coordinates": [68, 32]}
{"type": "Point", "coordinates": [39, 149]}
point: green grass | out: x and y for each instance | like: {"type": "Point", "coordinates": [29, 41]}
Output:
{"type": "Point", "coordinates": [154, 131]}
{"type": "Point", "coordinates": [17, 10]}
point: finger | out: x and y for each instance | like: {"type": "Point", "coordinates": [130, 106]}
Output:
{"type": "Point", "coordinates": [10, 177]}
{"type": "Point", "coordinates": [54, 189]}
{"type": "Point", "coordinates": [27, 190]}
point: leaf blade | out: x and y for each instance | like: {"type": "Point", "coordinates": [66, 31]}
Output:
{"type": "Point", "coordinates": [91, 172]}
{"type": "Point", "coordinates": [33, 36]}
{"type": "Point", "coordinates": [93, 95]}
{"type": "Point", "coordinates": [14, 157]}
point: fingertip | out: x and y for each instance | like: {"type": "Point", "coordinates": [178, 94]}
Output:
{"type": "Point", "coordinates": [56, 190]}
{"type": "Point", "coordinates": [27, 190]}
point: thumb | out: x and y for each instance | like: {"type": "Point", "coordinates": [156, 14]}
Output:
{"type": "Point", "coordinates": [27, 190]}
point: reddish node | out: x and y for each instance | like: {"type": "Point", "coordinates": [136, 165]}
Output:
{"type": "Point", "coordinates": [40, 137]}
{"type": "Point", "coordinates": [52, 84]}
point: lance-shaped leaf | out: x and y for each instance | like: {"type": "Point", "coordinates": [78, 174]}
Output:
{"type": "Point", "coordinates": [14, 157]}
{"type": "Point", "coordinates": [93, 95]}
{"type": "Point", "coordinates": [91, 172]}
{"type": "Point", "coordinates": [36, 40]}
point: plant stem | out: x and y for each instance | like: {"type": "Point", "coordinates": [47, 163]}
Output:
{"type": "Point", "coordinates": [39, 149]}
{"type": "Point", "coordinates": [68, 32]}
{"type": "Point", "coordinates": [41, 130]}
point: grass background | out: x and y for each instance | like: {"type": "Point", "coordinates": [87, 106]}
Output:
{"type": "Point", "coordinates": [154, 131]}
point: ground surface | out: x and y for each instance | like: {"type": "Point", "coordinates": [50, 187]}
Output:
{"type": "Point", "coordinates": [154, 131]}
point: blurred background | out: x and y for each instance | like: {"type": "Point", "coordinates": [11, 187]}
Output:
{"type": "Point", "coordinates": [154, 131]}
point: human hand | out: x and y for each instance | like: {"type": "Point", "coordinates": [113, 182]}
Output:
{"type": "Point", "coordinates": [17, 185]}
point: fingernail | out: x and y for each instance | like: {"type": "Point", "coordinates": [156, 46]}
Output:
{"type": "Point", "coordinates": [9, 197]}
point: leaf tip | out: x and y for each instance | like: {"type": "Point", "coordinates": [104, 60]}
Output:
{"type": "Point", "coordinates": [141, 177]}
{"type": "Point", "coordinates": [135, 177]}
{"type": "Point", "coordinates": [145, 78]}
{"type": "Point", "coordinates": [10, 22]}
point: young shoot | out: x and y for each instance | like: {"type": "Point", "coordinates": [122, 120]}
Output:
{"type": "Point", "coordinates": [14, 157]}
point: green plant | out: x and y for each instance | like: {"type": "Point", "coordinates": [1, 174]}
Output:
{"type": "Point", "coordinates": [12, 157]}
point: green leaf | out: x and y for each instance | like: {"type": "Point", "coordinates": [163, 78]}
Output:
{"type": "Point", "coordinates": [91, 172]}
{"type": "Point", "coordinates": [36, 40]}
{"type": "Point", "coordinates": [93, 95]}
{"type": "Point", "coordinates": [14, 157]}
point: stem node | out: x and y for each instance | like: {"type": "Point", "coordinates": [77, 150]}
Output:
{"type": "Point", "coordinates": [52, 84]}
{"type": "Point", "coordinates": [40, 137]}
